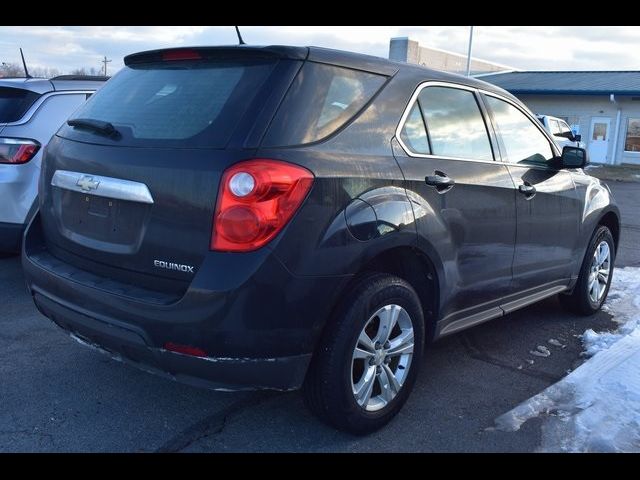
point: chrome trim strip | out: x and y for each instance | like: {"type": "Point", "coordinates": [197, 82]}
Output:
{"type": "Point", "coordinates": [102, 186]}
{"type": "Point", "coordinates": [431, 83]}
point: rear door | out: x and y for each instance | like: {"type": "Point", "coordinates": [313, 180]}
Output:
{"type": "Point", "coordinates": [548, 208]}
{"type": "Point", "coordinates": [137, 205]}
{"type": "Point", "coordinates": [463, 194]}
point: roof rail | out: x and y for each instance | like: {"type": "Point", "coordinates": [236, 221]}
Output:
{"type": "Point", "coordinates": [97, 78]}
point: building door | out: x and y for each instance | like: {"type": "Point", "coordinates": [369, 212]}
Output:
{"type": "Point", "coordinates": [599, 139]}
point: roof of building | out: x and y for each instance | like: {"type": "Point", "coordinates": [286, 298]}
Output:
{"type": "Point", "coordinates": [567, 83]}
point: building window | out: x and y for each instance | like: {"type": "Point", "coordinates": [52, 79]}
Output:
{"type": "Point", "coordinates": [632, 140]}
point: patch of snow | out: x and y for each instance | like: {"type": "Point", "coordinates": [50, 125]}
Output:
{"type": "Point", "coordinates": [556, 343]}
{"type": "Point", "coordinates": [596, 408]}
{"type": "Point", "coordinates": [541, 351]}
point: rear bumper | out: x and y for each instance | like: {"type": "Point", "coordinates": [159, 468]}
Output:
{"type": "Point", "coordinates": [258, 332]}
{"type": "Point", "coordinates": [130, 346]}
{"type": "Point", "coordinates": [11, 237]}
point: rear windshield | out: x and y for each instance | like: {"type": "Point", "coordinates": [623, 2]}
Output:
{"type": "Point", "coordinates": [176, 101]}
{"type": "Point", "coordinates": [321, 99]}
{"type": "Point", "coordinates": [14, 102]}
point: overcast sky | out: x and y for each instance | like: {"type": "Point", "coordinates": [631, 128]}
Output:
{"type": "Point", "coordinates": [527, 48]}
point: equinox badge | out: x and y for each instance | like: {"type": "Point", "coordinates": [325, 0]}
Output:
{"type": "Point", "coordinates": [173, 266]}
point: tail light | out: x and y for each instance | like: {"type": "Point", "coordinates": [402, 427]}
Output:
{"type": "Point", "coordinates": [256, 200]}
{"type": "Point", "coordinates": [17, 150]}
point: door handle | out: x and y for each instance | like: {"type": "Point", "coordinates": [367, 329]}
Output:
{"type": "Point", "coordinates": [527, 189]}
{"type": "Point", "coordinates": [440, 180]}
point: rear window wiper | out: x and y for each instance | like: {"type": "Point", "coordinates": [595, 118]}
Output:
{"type": "Point", "coordinates": [97, 126]}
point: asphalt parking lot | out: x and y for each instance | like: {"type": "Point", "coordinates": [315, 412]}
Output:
{"type": "Point", "coordinates": [56, 395]}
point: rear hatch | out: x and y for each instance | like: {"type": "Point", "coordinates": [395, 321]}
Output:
{"type": "Point", "coordinates": [134, 201]}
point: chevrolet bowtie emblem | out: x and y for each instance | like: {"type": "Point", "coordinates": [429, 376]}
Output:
{"type": "Point", "coordinates": [86, 183]}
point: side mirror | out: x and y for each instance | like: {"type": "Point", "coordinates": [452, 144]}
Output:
{"type": "Point", "coordinates": [568, 135]}
{"type": "Point", "coordinates": [573, 157]}
{"type": "Point", "coordinates": [577, 138]}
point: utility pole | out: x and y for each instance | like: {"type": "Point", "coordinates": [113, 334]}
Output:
{"type": "Point", "coordinates": [105, 61]}
{"type": "Point", "coordinates": [469, 52]}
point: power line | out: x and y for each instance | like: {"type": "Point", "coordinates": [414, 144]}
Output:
{"type": "Point", "coordinates": [105, 61]}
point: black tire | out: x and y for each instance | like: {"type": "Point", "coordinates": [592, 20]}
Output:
{"type": "Point", "coordinates": [328, 386]}
{"type": "Point", "coordinates": [579, 301]}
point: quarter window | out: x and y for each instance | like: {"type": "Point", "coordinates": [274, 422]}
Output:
{"type": "Point", "coordinates": [454, 123]}
{"type": "Point", "coordinates": [523, 142]}
{"type": "Point", "coordinates": [413, 133]}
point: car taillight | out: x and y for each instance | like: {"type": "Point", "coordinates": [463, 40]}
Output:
{"type": "Point", "coordinates": [255, 201]}
{"type": "Point", "coordinates": [17, 150]}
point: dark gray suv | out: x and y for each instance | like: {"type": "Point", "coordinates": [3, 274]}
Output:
{"type": "Point", "coordinates": [284, 217]}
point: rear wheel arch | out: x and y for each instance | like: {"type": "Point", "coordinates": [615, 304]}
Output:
{"type": "Point", "coordinates": [411, 265]}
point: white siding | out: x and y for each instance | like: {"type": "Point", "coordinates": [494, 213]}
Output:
{"type": "Point", "coordinates": [580, 109]}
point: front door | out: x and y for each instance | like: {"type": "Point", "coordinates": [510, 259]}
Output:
{"type": "Point", "coordinates": [463, 201]}
{"type": "Point", "coordinates": [548, 208]}
{"type": "Point", "coordinates": [599, 139]}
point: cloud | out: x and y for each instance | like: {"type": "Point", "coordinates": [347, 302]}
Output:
{"type": "Point", "coordinates": [564, 48]}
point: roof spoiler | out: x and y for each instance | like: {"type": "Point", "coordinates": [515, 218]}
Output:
{"type": "Point", "coordinates": [220, 52]}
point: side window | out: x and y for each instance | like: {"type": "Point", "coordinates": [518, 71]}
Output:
{"type": "Point", "coordinates": [413, 134]}
{"type": "Point", "coordinates": [522, 141]}
{"type": "Point", "coordinates": [454, 123]}
{"type": "Point", "coordinates": [554, 127]}
{"type": "Point", "coordinates": [321, 99]}
{"type": "Point", "coordinates": [564, 128]}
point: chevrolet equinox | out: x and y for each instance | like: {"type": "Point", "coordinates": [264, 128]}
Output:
{"type": "Point", "coordinates": [283, 217]}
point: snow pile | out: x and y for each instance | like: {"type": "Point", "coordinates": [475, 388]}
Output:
{"type": "Point", "coordinates": [596, 408]}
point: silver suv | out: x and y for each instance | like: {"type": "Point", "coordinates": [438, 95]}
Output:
{"type": "Point", "coordinates": [31, 111]}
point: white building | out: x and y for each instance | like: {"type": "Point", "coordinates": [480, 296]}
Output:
{"type": "Point", "coordinates": [603, 105]}
{"type": "Point", "coordinates": [402, 49]}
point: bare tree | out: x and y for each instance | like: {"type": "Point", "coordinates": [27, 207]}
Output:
{"type": "Point", "coordinates": [44, 72]}
{"type": "Point", "coordinates": [11, 70]}
{"type": "Point", "coordinates": [79, 71]}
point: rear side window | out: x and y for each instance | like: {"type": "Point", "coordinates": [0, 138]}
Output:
{"type": "Point", "coordinates": [321, 99]}
{"type": "Point", "coordinates": [173, 101]}
{"type": "Point", "coordinates": [14, 103]}
{"type": "Point", "coordinates": [455, 124]}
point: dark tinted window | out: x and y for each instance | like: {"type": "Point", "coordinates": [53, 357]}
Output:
{"type": "Point", "coordinates": [178, 100]}
{"type": "Point", "coordinates": [14, 103]}
{"type": "Point", "coordinates": [454, 123]}
{"type": "Point", "coordinates": [522, 140]}
{"type": "Point", "coordinates": [321, 99]}
{"type": "Point", "coordinates": [413, 133]}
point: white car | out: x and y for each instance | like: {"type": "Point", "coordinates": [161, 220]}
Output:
{"type": "Point", "coordinates": [31, 111]}
{"type": "Point", "coordinates": [561, 132]}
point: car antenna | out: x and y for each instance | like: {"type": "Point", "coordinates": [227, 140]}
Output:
{"type": "Point", "coordinates": [24, 64]}
{"type": "Point", "coordinates": [240, 40]}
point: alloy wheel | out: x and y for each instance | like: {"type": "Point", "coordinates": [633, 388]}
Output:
{"type": "Point", "coordinates": [599, 272]}
{"type": "Point", "coordinates": [382, 357]}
